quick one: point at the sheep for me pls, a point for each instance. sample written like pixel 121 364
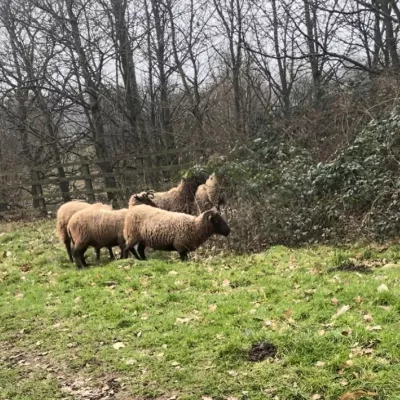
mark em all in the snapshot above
pixel 100 228
pixel 64 214
pixel 170 231
pixel 180 198
pixel 209 195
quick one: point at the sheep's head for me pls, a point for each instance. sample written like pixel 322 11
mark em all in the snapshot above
pixel 220 226
pixel 196 174
pixel 142 198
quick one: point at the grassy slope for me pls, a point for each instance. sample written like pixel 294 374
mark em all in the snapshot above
pixel 186 328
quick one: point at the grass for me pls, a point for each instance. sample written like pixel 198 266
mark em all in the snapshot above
pixel 165 329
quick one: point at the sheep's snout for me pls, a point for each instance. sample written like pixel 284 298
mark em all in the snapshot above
pixel 225 231
pixel 222 227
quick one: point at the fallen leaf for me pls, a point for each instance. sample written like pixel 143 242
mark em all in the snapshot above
pixel 206 398
pixel 386 308
pixel 320 364
pixel 347 332
pixel 172 272
pixel 358 299
pixel 374 328
pixel 25 267
pixel 226 283
pixel 232 373
pixel 130 361
pixel 341 311
pixel 175 363
pixel 382 288
pixel 19 296
pixel 356 394
pixel 118 345
pixel 321 332
pixel 212 307
pixel 349 363
pixel 316 396
pixel 184 320
pixel 344 382
pixel 368 317
pixel 334 301
pixel 78 300
pixel 287 313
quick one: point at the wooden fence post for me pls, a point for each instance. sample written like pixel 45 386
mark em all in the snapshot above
pixel 38 191
pixel 88 180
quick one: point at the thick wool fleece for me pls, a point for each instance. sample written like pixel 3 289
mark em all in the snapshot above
pixel 180 198
pixel 165 230
pixel 67 210
pixel 209 195
pixel 97 227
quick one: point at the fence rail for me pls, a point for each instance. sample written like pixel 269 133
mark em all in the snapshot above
pixel 39 189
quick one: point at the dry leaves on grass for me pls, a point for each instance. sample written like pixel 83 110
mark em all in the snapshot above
pixel 368 317
pixel 341 311
pixel 334 301
pixel 356 394
pixel 374 328
pixel 118 345
pixel 195 316
pixel 226 283
pixel 382 288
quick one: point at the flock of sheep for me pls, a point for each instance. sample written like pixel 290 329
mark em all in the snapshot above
pixel 161 220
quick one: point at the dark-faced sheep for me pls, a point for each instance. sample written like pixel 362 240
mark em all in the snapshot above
pixel 182 197
pixel 209 195
pixel 100 228
pixel 64 214
pixel 170 231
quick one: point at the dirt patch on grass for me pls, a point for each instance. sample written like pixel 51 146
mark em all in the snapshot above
pixel 351 267
pixel 80 387
pixel 262 351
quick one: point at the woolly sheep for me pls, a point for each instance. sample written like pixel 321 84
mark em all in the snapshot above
pixel 64 214
pixel 100 228
pixel 180 198
pixel 209 195
pixel 170 231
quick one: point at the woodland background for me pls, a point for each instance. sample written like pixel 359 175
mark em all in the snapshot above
pixel 298 97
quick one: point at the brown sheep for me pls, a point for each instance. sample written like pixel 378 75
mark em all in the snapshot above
pixel 209 195
pixel 64 214
pixel 170 231
pixel 180 198
pixel 100 228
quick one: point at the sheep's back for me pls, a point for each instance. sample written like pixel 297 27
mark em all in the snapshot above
pixel 155 227
pixel 65 213
pixel 98 227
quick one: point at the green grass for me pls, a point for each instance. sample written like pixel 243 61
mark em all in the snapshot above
pixel 186 328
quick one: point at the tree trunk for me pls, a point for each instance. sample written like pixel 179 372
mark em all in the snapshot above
pixel 95 104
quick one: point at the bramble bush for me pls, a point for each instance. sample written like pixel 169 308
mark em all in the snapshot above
pixel 279 195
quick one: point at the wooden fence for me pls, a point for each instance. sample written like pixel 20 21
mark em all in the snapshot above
pixel 41 189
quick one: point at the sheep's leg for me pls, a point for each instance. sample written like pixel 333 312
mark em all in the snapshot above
pixel 140 250
pixel 97 249
pixel 183 254
pixel 112 256
pixel 67 243
pixel 122 249
pixel 79 256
